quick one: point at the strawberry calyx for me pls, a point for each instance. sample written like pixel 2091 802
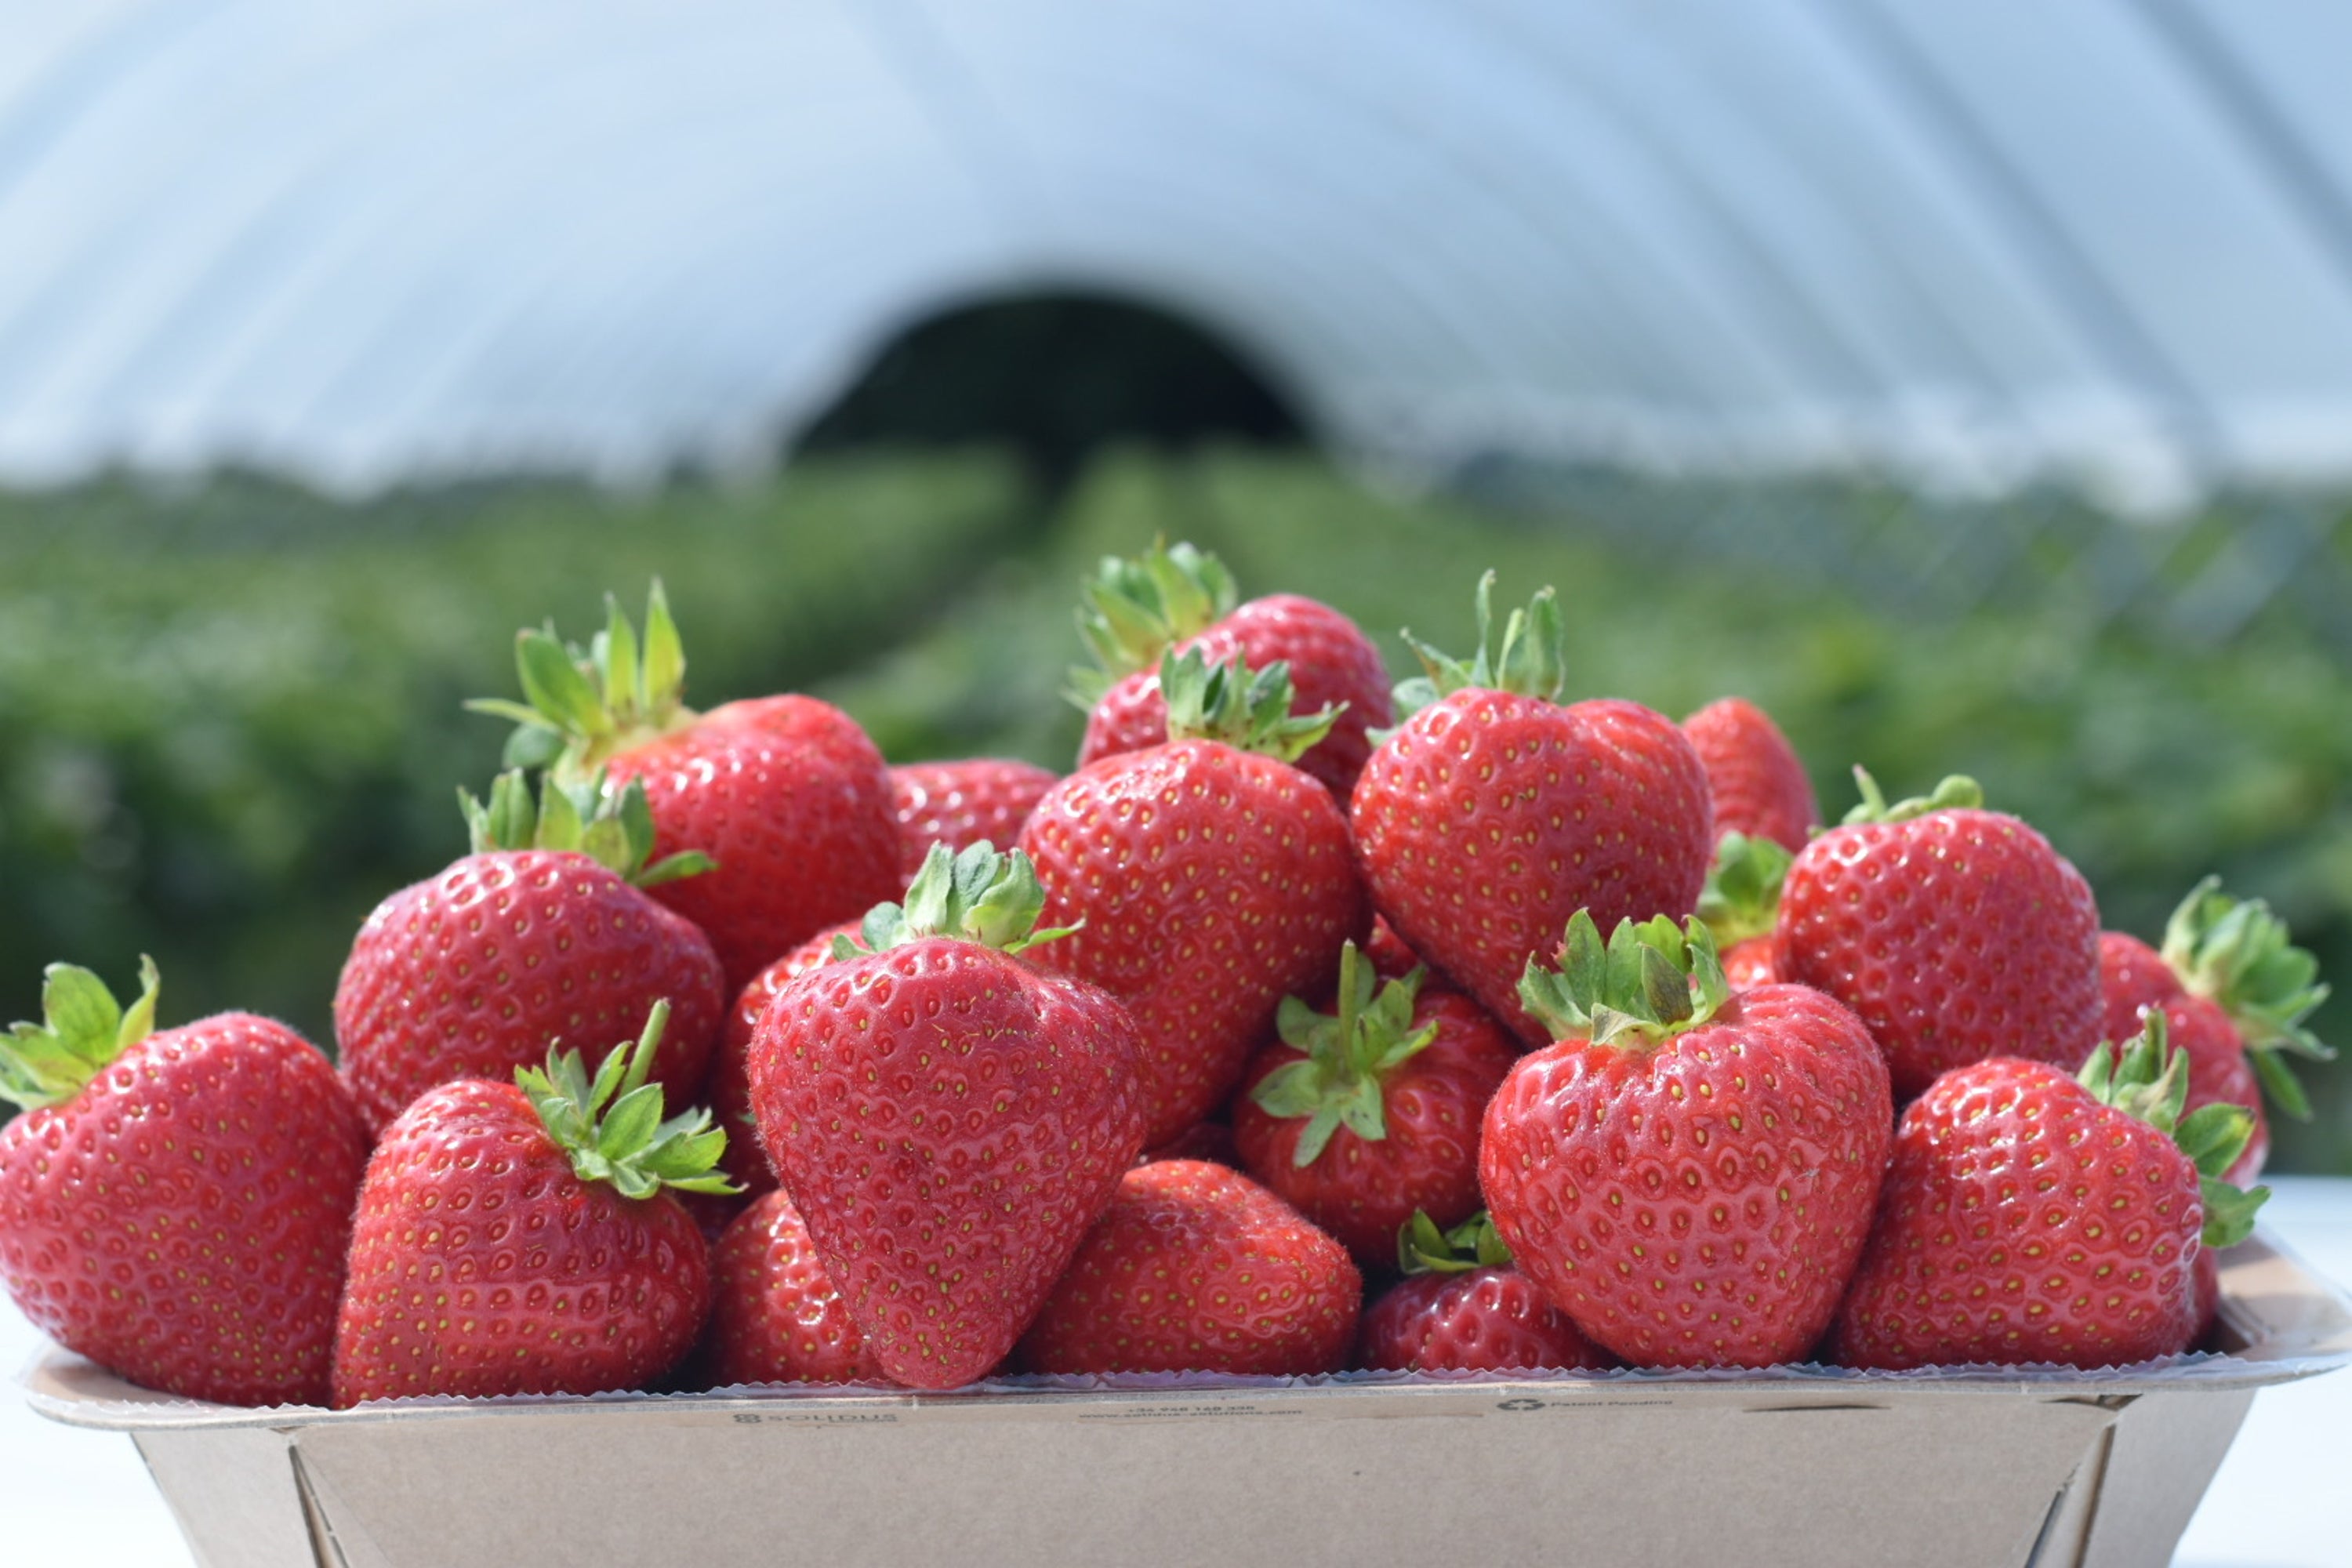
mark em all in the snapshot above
pixel 614 828
pixel 1422 1248
pixel 1652 981
pixel 1528 661
pixel 2238 953
pixel 1957 791
pixel 583 706
pixel 2149 1082
pixel 611 1127
pixel 1248 709
pixel 973 894
pixel 1350 1054
pixel 83 1028
pixel 1135 610
pixel 1742 896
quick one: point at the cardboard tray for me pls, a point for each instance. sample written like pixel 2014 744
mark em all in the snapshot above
pixel 1795 1465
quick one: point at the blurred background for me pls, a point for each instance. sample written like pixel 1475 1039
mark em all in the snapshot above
pixel 1971 386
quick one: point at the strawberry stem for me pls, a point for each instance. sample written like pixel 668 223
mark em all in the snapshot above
pixel 1958 790
pixel 1350 1056
pixel 1652 981
pixel 615 828
pixel 581 706
pixel 1244 709
pixel 1528 661
pixel 1742 896
pixel 2240 956
pixel 1422 1248
pixel 1135 610
pixel 973 894
pixel 2149 1083
pixel 611 1127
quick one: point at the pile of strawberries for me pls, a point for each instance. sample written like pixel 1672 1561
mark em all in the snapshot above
pixel 731 1054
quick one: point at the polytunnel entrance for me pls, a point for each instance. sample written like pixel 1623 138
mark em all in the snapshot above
pixel 1054 377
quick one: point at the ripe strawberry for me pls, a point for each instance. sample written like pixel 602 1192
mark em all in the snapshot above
pixel 1181 599
pixel 1194 1268
pixel 786 795
pixel 543 932
pixel 1741 905
pixel 1689 1178
pixel 1957 933
pixel 730 1088
pixel 1392 959
pixel 2031 1216
pixel 948 1120
pixel 517 1238
pixel 1208 878
pixel 2234 992
pixel 1461 1306
pixel 1493 814
pixel 1759 786
pixel 1358 1120
pixel 961 804
pixel 774 1315
pixel 175 1205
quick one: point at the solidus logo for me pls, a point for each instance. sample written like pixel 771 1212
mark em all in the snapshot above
pixel 1520 1405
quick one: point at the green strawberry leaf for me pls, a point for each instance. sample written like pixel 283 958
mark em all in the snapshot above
pixel 82 1030
pixel 611 1127
pixel 615 828
pixel 1350 1055
pixel 1242 708
pixel 1528 661
pixel 2229 1210
pixel 2148 1081
pixel 1742 896
pixel 973 894
pixel 1133 611
pixel 2237 952
pixel 1422 1248
pixel 581 706
pixel 1654 979
pixel 1955 792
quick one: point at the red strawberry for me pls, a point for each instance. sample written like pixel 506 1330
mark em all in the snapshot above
pixel 1957 933
pixel 1462 1308
pixel 1194 1268
pixel 1741 905
pixel 176 1204
pixel 774 1315
pixel 542 932
pixel 948 1120
pixel 1181 599
pixel 1358 1120
pixel 1208 880
pixel 2234 992
pixel 2031 1216
pixel 1759 786
pixel 1688 1179
pixel 1493 814
pixel 786 795
pixel 516 1237
pixel 1392 959
pixel 730 1088
pixel 961 804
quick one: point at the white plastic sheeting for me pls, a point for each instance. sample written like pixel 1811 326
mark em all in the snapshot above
pixel 2110 238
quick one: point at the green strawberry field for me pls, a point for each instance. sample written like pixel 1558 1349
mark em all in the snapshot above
pixel 233 707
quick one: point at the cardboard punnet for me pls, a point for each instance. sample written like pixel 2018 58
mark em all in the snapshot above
pixel 1795 1465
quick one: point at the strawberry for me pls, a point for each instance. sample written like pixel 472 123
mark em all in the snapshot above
pixel 1759 786
pixel 1461 1306
pixel 2234 992
pixel 544 931
pixel 1494 813
pixel 1392 959
pixel 175 1204
pixel 730 1088
pixel 1194 1268
pixel 1182 599
pixel 948 1118
pixel 1687 1176
pixel 2031 1216
pixel 961 804
pixel 1957 933
pixel 517 1239
pixel 1741 905
pixel 1209 878
pixel 786 795
pixel 774 1315
pixel 1360 1117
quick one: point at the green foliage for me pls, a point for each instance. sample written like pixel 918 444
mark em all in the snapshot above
pixel 232 724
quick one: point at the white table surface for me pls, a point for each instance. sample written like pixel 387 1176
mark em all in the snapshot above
pixel 2281 1501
